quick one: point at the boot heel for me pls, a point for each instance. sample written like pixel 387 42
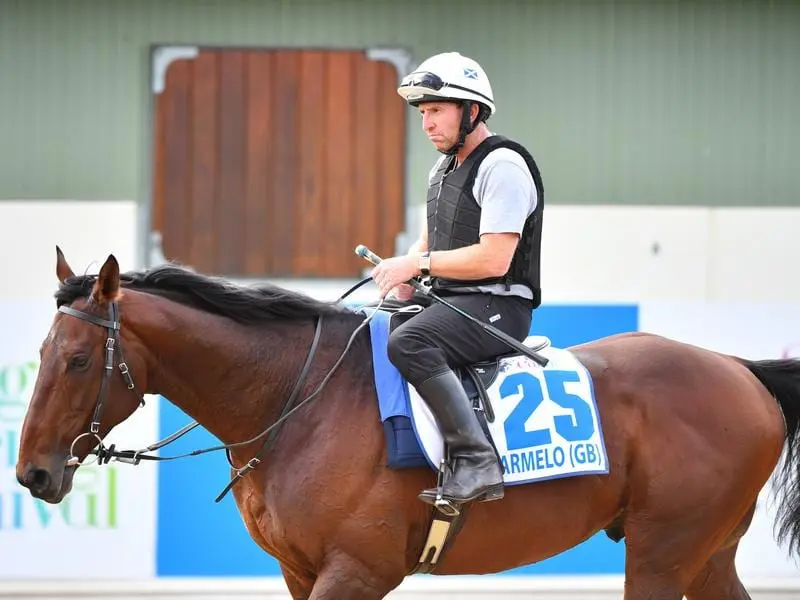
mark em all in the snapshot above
pixel 496 492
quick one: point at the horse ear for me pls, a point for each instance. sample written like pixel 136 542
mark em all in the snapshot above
pixel 106 286
pixel 63 270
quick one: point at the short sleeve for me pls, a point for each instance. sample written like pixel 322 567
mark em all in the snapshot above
pixel 505 190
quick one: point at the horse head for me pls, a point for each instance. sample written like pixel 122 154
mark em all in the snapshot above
pixel 224 354
pixel 84 386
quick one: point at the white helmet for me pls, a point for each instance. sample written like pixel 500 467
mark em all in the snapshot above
pixel 448 76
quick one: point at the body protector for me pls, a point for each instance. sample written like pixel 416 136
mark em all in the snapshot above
pixel 454 218
pixel 451 77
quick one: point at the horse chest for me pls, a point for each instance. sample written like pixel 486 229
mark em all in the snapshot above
pixel 257 516
pixel 264 521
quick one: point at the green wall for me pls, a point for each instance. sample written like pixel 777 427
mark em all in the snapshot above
pixel 621 102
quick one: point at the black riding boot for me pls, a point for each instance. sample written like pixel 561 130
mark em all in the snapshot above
pixel 476 469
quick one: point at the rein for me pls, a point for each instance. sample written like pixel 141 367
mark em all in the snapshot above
pixel 134 457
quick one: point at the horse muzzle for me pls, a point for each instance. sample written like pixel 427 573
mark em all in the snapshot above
pixel 46 484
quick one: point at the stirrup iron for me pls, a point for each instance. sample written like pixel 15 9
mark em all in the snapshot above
pixel 447 507
pixel 442 504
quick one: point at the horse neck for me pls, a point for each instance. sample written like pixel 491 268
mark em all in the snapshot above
pixel 231 378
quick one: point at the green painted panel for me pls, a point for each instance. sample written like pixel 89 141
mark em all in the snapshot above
pixel 644 102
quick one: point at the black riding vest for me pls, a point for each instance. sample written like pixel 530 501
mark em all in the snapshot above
pixel 454 218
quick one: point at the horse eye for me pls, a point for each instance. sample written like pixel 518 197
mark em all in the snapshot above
pixel 79 362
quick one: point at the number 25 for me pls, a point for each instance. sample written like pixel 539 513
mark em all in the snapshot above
pixel 532 396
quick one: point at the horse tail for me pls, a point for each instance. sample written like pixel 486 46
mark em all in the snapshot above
pixel 781 377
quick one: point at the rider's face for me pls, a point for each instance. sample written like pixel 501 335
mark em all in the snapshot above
pixel 441 122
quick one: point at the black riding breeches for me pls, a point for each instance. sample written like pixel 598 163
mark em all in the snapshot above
pixel 430 342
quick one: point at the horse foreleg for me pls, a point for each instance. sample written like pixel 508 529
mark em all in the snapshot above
pixel 345 578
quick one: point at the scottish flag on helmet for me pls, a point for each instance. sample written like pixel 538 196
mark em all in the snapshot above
pixel 447 76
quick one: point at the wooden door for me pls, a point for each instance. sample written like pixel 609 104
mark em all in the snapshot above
pixel 278 162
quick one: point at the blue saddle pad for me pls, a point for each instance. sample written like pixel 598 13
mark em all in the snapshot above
pixel 565 439
pixel 402 444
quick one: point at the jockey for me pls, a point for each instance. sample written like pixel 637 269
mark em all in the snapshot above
pixel 480 248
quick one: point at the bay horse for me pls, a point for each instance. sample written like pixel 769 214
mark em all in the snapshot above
pixel 692 437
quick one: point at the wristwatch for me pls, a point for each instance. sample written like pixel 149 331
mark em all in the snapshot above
pixel 425 264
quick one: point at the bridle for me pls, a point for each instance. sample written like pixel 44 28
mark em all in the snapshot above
pixel 113 343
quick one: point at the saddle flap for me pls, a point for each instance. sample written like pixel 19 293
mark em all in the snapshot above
pixel 486 370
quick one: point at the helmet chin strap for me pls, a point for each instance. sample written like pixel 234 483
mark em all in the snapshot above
pixel 464 129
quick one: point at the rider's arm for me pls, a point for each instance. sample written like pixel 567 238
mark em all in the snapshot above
pixel 507 196
pixel 421 245
pixel 489 258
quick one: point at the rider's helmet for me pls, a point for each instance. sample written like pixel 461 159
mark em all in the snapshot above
pixel 451 77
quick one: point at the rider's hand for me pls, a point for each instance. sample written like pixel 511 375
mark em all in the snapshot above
pixel 402 292
pixel 391 272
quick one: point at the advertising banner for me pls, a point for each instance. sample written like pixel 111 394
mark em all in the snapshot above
pixel 105 528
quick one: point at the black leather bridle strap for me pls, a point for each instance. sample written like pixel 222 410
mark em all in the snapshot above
pixel 287 408
pixel 113 325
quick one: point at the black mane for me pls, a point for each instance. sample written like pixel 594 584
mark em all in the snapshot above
pixel 244 304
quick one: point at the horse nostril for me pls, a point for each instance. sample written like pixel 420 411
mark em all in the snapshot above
pixel 41 479
pixel 37 480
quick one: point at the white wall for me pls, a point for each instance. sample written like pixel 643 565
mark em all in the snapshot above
pixel 589 253
pixel 633 254
pixel 86 231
